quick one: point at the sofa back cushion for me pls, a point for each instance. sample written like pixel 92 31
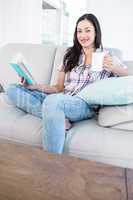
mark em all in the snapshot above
pixel 40 59
pixel 115 52
pixel 60 52
pixel 129 64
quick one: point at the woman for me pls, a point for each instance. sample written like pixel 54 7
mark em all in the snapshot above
pixel 54 104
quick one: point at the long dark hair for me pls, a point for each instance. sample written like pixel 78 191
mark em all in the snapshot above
pixel 71 57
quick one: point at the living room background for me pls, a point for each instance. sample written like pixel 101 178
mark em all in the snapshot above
pixel 42 21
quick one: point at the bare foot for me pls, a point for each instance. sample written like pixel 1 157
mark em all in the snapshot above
pixel 68 124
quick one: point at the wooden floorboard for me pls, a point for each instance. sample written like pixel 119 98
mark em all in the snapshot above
pixel 28 173
pixel 129 173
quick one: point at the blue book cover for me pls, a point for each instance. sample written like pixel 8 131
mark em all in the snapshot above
pixel 22 70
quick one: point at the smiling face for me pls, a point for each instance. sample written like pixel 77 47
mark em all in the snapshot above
pixel 86 34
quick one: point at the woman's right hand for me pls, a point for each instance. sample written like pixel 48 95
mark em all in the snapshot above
pixel 23 82
pixel 30 86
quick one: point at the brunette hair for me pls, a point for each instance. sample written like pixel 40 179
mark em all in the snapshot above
pixel 71 57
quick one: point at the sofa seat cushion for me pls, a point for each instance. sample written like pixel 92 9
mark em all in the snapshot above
pixel 18 126
pixel 90 141
pixel 4 100
pixel 114 115
pixel 85 140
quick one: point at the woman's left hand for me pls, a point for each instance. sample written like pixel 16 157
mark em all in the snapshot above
pixel 108 63
pixel 39 87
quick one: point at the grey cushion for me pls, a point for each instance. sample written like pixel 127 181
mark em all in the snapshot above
pixel 113 115
pixel 127 126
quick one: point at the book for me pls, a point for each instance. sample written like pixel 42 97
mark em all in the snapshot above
pixel 19 64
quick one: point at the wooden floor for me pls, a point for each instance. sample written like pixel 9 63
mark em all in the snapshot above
pixel 28 173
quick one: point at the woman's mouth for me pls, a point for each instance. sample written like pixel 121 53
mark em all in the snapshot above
pixel 84 40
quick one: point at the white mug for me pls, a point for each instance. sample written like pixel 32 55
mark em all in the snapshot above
pixel 97 61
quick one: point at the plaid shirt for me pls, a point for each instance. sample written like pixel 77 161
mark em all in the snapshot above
pixel 82 75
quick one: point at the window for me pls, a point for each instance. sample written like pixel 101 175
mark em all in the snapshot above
pixel 58 20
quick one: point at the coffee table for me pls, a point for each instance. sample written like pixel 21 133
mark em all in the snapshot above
pixel 29 173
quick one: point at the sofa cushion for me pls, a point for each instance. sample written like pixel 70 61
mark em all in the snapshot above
pixel 4 100
pixel 13 126
pixel 88 140
pixel 39 57
pixel 114 115
pixel 110 91
pixel 85 140
pixel 60 51
pixel 115 52
pixel 127 126
pixel 129 64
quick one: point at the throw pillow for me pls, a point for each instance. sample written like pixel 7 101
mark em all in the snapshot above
pixel 110 91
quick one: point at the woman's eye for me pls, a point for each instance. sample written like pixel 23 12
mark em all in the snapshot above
pixel 79 31
pixel 88 31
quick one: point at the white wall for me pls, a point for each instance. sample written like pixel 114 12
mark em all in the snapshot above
pixel 21 21
pixel 116 18
pixel 1 23
pixel 51 25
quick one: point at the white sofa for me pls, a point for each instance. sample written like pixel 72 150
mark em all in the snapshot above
pixel 108 139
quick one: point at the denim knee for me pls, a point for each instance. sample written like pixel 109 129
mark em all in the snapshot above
pixel 51 102
pixel 54 99
pixel 11 89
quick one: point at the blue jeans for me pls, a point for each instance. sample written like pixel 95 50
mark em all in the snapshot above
pixel 53 109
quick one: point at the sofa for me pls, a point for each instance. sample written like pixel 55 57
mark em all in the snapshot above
pixel 107 138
